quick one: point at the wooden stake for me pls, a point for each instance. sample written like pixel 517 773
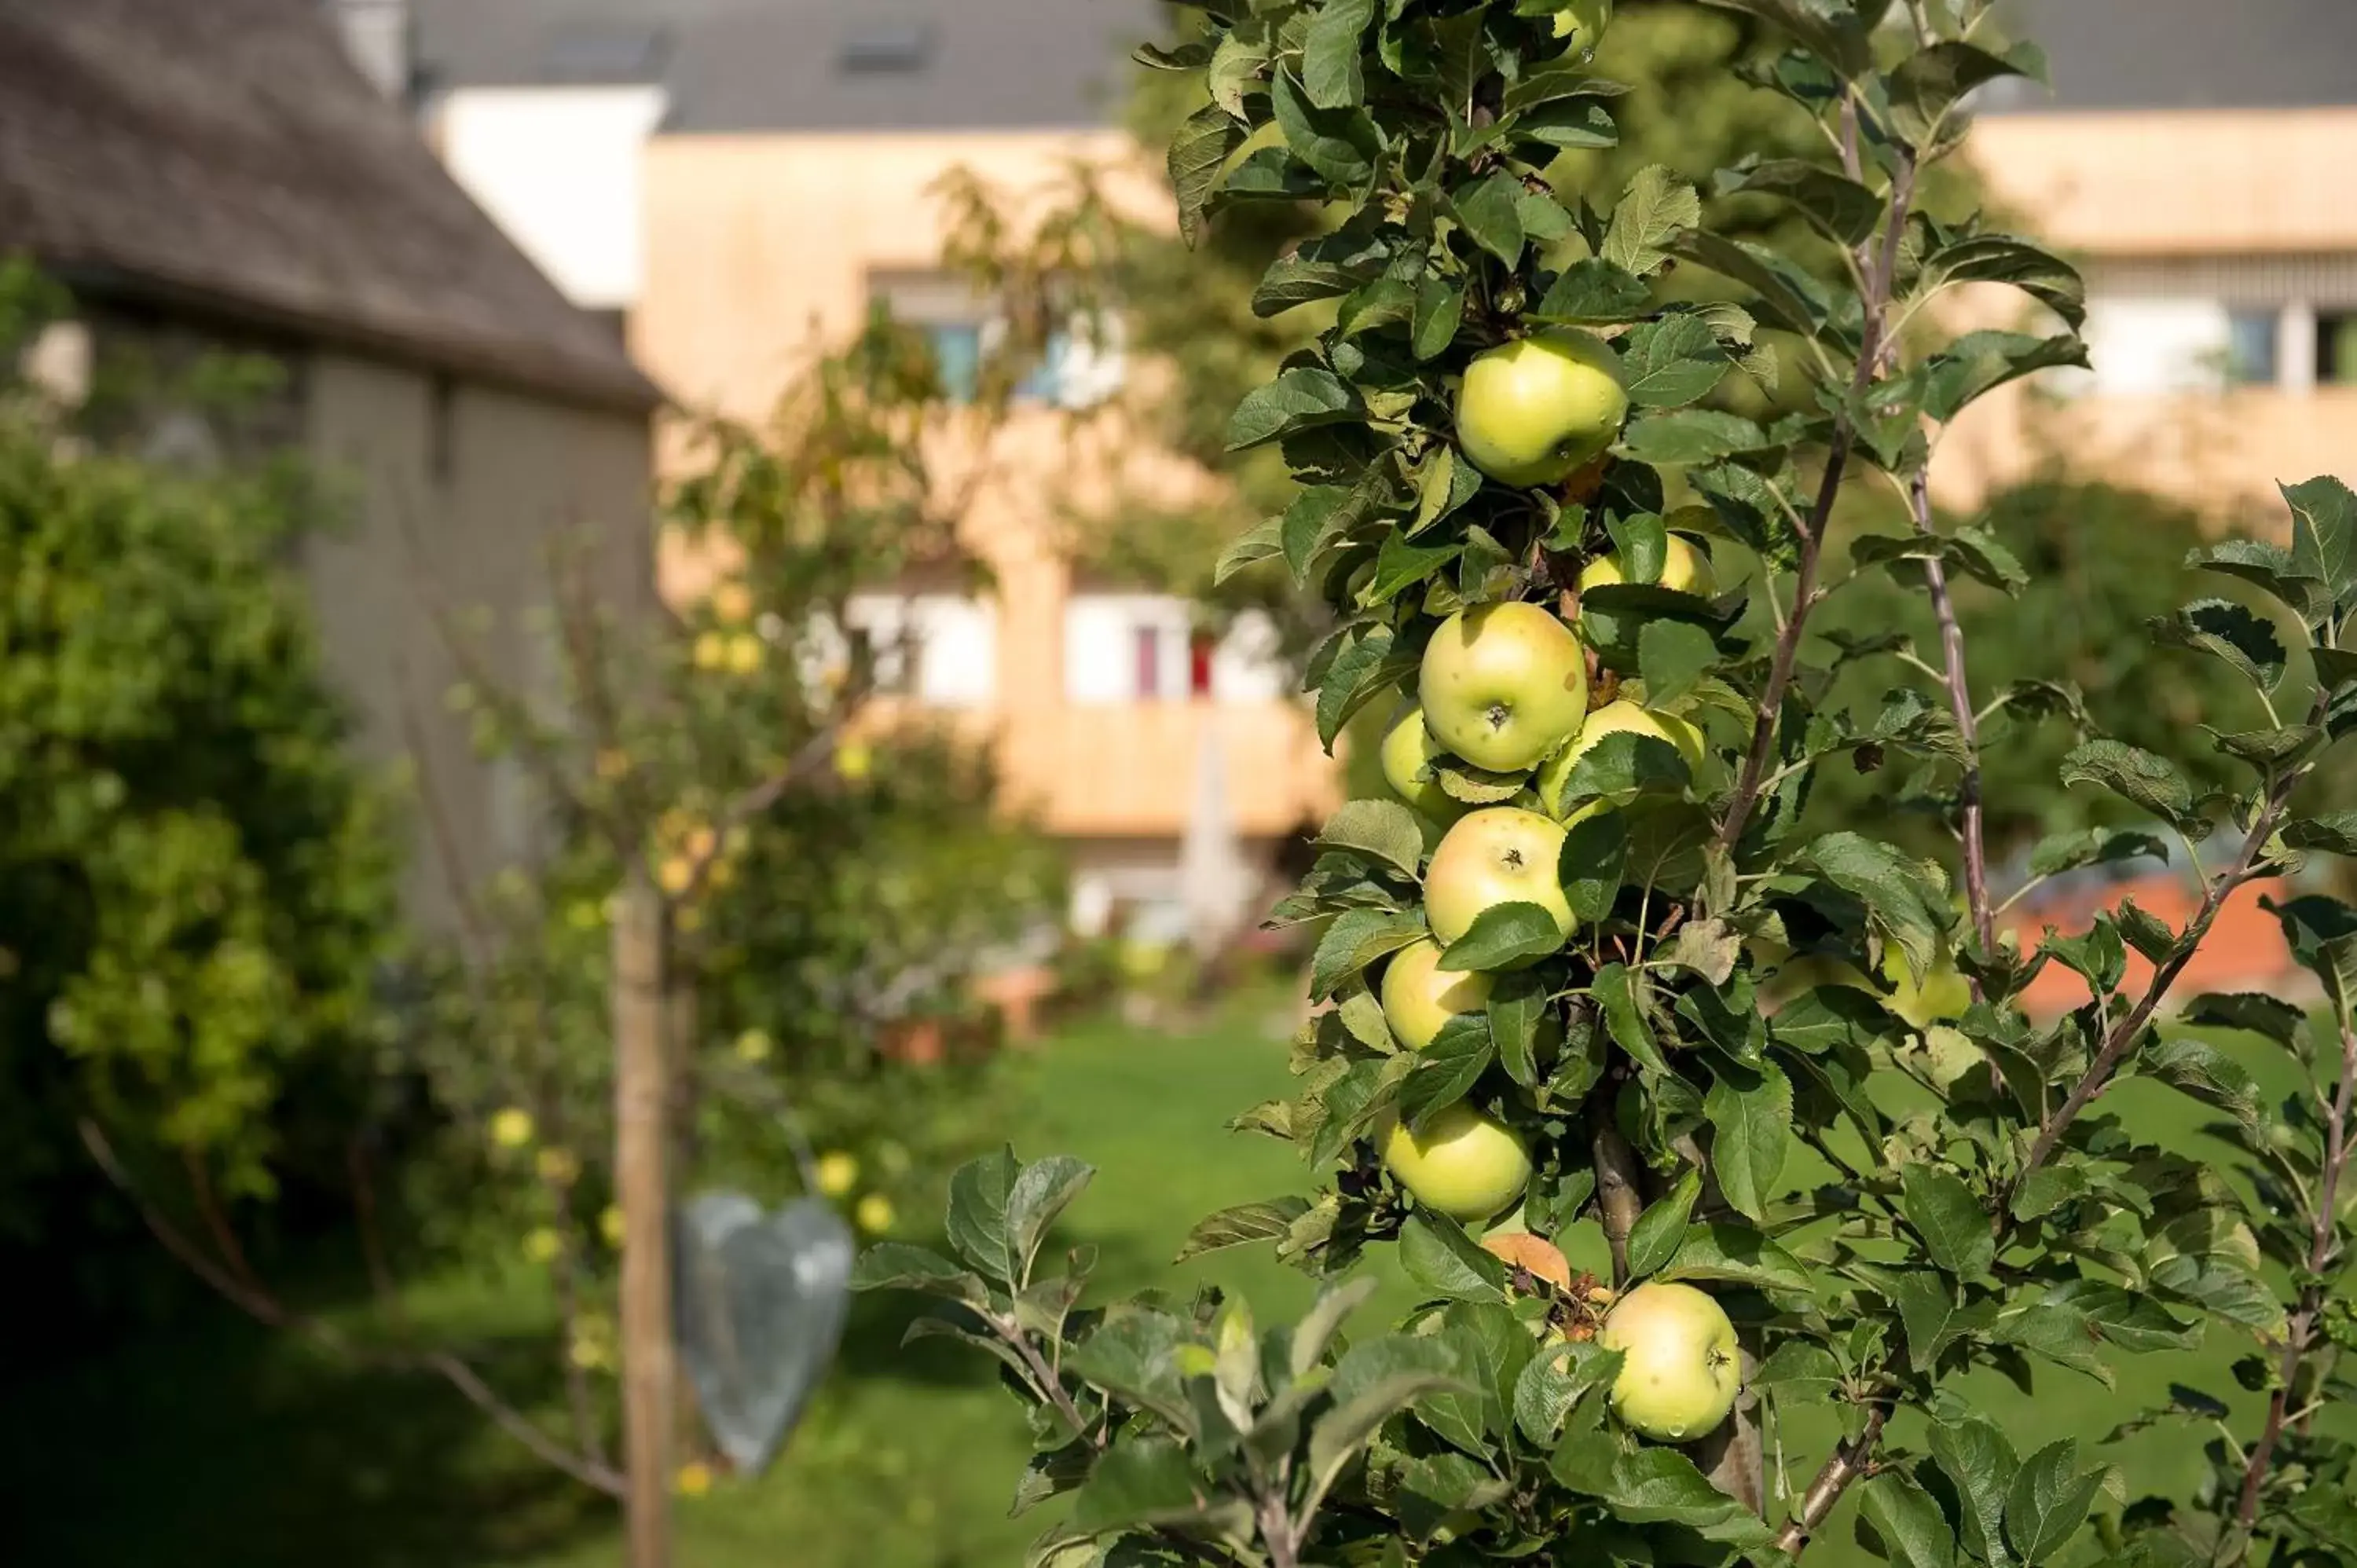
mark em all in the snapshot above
pixel 641 1141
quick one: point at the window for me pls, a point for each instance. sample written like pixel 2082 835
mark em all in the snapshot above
pixel 2336 348
pixel 2251 339
pixel 442 428
pixel 1145 648
pixel 1080 365
pixel 941 649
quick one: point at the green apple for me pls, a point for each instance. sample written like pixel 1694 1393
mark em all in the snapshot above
pixel 1618 717
pixel 1533 409
pixel 1680 1368
pixel 1406 756
pixel 1941 999
pixel 1464 1165
pixel 1419 996
pixel 1499 855
pixel 1503 685
pixel 1686 566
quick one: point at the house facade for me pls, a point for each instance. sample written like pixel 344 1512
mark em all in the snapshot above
pixel 2193 159
pixel 225 179
pixel 740 183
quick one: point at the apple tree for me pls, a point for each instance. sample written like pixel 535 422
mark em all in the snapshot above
pixel 1602 987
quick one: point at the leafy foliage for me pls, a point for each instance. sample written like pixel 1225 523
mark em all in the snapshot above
pixel 1741 978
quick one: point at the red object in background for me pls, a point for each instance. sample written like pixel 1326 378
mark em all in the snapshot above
pixel 1199 665
pixel 2245 949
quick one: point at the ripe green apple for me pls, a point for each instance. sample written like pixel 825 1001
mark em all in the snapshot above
pixel 1618 717
pixel 1681 1368
pixel 1686 566
pixel 1503 685
pixel 1533 409
pixel 1941 999
pixel 1466 1165
pixel 1499 855
pixel 1419 996
pixel 1406 756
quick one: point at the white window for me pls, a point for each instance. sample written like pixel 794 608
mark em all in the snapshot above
pixel 2150 344
pixel 941 648
pixel 1145 648
pixel 1080 366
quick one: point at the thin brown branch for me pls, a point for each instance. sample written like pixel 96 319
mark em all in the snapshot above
pixel 2300 1330
pixel 1959 702
pixel 1619 1197
pixel 2129 1029
pixel 1881 269
pixel 1850 1461
pixel 216 1219
pixel 265 1307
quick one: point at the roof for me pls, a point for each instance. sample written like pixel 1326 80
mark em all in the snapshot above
pixel 808 64
pixel 2189 54
pixel 226 159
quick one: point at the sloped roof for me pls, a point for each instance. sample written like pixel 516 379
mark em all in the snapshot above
pixel 808 64
pixel 225 157
pixel 2189 54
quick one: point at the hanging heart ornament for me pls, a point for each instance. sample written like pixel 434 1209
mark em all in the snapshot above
pixel 762 1300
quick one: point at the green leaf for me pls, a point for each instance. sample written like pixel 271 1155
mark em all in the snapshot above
pixel 1489 210
pixel 1914 1533
pixel 1787 296
pixel 1517 1008
pixel 2198 1069
pixel 1339 144
pixel 1446 1069
pixel 1148 1480
pixel 1344 1431
pixel 1595 856
pixel 1300 398
pixel 1654 1241
pixel 1979 362
pixel 1133 1354
pixel 1401 564
pixel 1330 72
pixel 1691 437
pixel 1357 939
pixel 1242 1225
pixel 1198 152
pixel 1592 293
pixel 896 1265
pixel 1661 1486
pixel 2009 259
pixel 1932 1318
pixel 1316 1331
pixel 1827 1017
pixel 2049 1501
pixel 1980 1464
pixel 1503 935
pixel 1910 908
pixel 1830 32
pixel 1623 765
pixel 2062 852
pixel 1042 1192
pixel 2335 832
pixel 2135 775
pixel 1731 1254
pixel 1439 309
pixel 1842 210
pixel 1950 1219
pixel 1558 1376
pixel 1618 991
pixel 980 1191
pixel 2277 1020
pixel 2232 633
pixel 1384 830
pixel 1750 1119
pixel 1359 673
pixel 1257 543
pixel 1808 1369
pixel 1928 82
pixel 1671 362
pixel 1434 1252
pixel 2324 536
pixel 1673 656
pixel 1657 207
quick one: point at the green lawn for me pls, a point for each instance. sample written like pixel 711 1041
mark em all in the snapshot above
pixel 225 1446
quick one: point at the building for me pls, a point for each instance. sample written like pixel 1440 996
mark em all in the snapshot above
pixel 2193 158
pixel 221 179
pixel 736 179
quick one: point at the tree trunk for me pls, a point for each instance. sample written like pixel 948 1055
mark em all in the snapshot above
pixel 641 1145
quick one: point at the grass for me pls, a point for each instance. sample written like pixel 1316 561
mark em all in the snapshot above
pixel 224 1445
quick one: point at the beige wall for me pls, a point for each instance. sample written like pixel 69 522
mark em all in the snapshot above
pixel 761 247
pixel 419 546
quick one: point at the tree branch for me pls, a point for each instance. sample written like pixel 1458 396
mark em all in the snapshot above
pixel 2124 1033
pixel 1880 273
pixel 1850 1461
pixel 2300 1332
pixel 264 1307
pixel 1618 1199
pixel 1959 702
